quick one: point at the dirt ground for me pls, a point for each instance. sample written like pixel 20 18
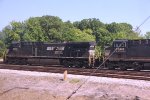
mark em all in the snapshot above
pixel 15 86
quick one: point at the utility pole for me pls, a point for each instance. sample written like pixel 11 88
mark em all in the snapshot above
pixel 138 28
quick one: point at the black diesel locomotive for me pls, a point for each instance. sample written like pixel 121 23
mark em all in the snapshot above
pixel 122 54
pixel 128 54
pixel 75 54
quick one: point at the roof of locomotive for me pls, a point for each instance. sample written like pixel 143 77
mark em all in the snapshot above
pixel 56 43
pixel 119 40
pixel 134 41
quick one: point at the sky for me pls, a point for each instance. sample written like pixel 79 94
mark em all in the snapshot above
pixel 133 12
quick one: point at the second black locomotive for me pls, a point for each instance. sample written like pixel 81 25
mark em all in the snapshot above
pixel 128 54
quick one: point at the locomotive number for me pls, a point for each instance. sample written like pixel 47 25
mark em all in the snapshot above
pixel 120 49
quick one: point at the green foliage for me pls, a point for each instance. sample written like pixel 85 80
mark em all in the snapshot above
pixel 45 28
pixel 77 35
pixel 10 35
pixel 113 27
pixel 91 23
pixel 75 80
pixel 98 51
pixel 2 48
pixel 103 37
pixel 33 30
pixel 147 35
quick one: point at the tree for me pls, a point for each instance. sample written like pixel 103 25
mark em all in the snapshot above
pixel 2 48
pixel 1 36
pixel 52 27
pixel 103 37
pixel 91 23
pixel 113 27
pixel 18 28
pixel 45 28
pixel 10 35
pixel 33 30
pixel 73 34
pixel 122 31
pixel 147 35
pixel 119 35
pixel 13 32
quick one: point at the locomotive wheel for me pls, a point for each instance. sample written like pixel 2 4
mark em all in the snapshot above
pixel 137 66
pixel 111 68
pixel 123 68
pixel 66 63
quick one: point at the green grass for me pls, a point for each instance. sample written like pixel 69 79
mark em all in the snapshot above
pixel 74 81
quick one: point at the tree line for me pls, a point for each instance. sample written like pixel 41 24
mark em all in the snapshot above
pixel 53 29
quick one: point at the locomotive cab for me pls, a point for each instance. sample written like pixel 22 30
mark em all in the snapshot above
pixel 116 54
pixel 120 48
pixel 81 54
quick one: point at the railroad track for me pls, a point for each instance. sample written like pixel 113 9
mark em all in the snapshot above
pixel 142 75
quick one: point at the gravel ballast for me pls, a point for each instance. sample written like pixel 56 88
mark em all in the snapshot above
pixel 27 85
